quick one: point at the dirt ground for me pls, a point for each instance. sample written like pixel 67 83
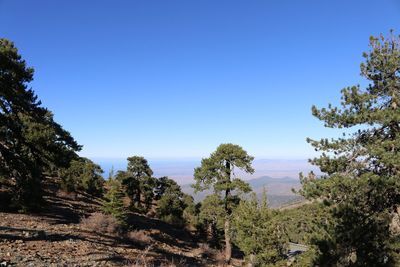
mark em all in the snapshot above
pixel 55 237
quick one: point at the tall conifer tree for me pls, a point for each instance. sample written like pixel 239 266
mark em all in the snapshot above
pixel 262 239
pixel 217 172
pixel 362 170
pixel 31 142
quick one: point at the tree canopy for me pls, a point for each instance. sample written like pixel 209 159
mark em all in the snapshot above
pixel 362 170
pixel 31 142
pixel 171 205
pixel 138 183
pixel 262 239
pixel 217 172
pixel 83 174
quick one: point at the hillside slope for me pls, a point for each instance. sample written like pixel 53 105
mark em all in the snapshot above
pixel 55 237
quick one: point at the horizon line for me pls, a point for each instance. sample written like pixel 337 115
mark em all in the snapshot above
pixel 185 158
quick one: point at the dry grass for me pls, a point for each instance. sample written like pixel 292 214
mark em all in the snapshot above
pixel 142 259
pixel 180 263
pixel 205 251
pixel 219 257
pixel 151 213
pixel 139 236
pixel 100 222
pixel 67 195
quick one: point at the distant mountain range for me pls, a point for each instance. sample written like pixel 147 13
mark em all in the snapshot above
pixel 279 190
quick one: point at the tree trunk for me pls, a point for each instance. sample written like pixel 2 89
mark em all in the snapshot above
pixel 228 245
pixel 228 212
pixel 138 193
pixel 210 232
pixel 137 198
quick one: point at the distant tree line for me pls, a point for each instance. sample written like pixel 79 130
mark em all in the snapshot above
pixel 145 194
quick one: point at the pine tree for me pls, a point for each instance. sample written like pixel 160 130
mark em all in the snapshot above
pixel 191 211
pixel 147 188
pixel 212 217
pixel 31 142
pixel 170 205
pixel 130 186
pixel 138 182
pixel 113 201
pixel 83 174
pixel 262 239
pixel 361 184
pixel 217 171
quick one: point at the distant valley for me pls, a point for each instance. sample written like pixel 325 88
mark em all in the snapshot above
pixel 181 170
pixel 277 176
pixel 279 190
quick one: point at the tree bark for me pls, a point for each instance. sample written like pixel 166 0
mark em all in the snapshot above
pixel 210 232
pixel 228 211
pixel 138 192
pixel 228 245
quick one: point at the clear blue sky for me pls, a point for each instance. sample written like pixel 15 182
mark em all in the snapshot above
pixel 177 78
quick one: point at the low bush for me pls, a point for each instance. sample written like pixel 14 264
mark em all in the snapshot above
pixel 205 251
pixel 139 236
pixel 102 223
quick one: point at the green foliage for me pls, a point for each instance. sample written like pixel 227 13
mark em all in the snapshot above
pixel 362 185
pixel 162 184
pixel 130 184
pixel 138 183
pixel 171 205
pixel 262 239
pixel 143 190
pixel 83 174
pixel 191 211
pixel 113 200
pixel 217 172
pixel 139 167
pixel 31 142
pixel 212 217
pixel 306 223
pixel 147 187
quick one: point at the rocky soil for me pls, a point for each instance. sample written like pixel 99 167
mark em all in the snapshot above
pixel 55 237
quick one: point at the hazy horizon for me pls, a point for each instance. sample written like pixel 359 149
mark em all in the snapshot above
pixel 181 170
